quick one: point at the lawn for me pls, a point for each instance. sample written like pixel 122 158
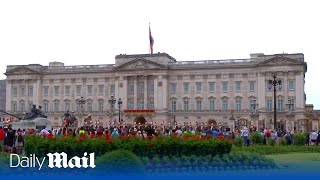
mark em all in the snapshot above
pixel 297 161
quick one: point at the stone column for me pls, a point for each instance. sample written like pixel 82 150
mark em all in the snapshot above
pixel 159 94
pixel 205 92
pixel 145 92
pixel 299 89
pixel 73 90
pixel 116 89
pixel 95 94
pixel 218 90
pixel 165 92
pixel 9 95
pixel 261 88
pixel 155 93
pixel 124 92
pixel 38 93
pixel 135 96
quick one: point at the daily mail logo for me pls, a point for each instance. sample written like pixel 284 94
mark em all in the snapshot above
pixel 56 160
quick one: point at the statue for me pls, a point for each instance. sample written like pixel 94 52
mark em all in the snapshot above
pixel 35 113
pixel 69 119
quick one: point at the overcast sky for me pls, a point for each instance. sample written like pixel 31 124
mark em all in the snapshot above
pixel 95 31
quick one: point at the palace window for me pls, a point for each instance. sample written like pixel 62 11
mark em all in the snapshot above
pixel 101 89
pixel 56 90
pixel 186 105
pixel 67 106
pixel 46 106
pixel 211 105
pixel 46 91
pixel 211 87
pixel 89 106
pixel 112 89
pixel 199 108
pixel 22 91
pixel 14 106
pixel 198 87
pixel 14 91
pixel 280 104
pixel 224 87
pixel 141 105
pixel 269 105
pixel 56 106
pixel 22 106
pixel 291 85
pixel 89 88
pixel 225 104
pixel 238 86
pixel 30 105
pixel 151 88
pixel 151 105
pixel 78 89
pixel 173 87
pixel 30 91
pixel 186 87
pixel 238 104
pixel 67 90
pixel 251 86
pixel 131 88
pixel 101 105
pixel 130 104
pixel 174 105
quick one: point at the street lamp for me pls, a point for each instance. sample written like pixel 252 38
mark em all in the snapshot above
pixel 276 84
pixel 119 106
pixel 81 102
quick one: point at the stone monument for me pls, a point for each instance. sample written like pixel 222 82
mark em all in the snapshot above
pixel 33 120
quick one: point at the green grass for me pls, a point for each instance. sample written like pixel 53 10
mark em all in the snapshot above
pixel 297 160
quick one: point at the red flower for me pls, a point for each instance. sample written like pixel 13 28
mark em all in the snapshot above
pixel 50 136
pixel 92 136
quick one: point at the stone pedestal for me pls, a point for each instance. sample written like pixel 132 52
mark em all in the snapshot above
pixel 38 123
pixel 290 122
pixel 232 126
pixel 315 125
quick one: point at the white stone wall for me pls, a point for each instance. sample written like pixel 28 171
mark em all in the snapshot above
pixel 178 73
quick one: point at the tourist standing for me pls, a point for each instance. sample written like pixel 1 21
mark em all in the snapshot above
pixel 2 136
pixel 245 136
pixel 318 138
pixel 313 137
pixel 10 140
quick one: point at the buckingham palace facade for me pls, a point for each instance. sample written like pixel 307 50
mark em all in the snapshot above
pixel 157 88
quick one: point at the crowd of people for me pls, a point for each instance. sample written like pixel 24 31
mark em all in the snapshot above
pixel 13 140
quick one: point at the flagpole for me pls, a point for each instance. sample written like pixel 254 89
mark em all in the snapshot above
pixel 149 40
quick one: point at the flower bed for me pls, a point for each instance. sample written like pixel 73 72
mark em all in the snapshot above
pixel 174 146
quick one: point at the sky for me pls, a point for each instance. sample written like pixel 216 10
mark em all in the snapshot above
pixel 78 32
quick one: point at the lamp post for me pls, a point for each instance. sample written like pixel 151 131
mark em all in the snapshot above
pixel 275 84
pixel 119 106
pixel 81 102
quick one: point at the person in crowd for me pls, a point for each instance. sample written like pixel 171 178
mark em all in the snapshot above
pixel 288 138
pixel 2 137
pixel 10 140
pixel 313 137
pixel 318 138
pixel 245 136
pixel 307 140
pixel 20 141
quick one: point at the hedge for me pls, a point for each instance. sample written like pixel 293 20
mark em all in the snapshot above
pixel 284 149
pixel 143 148
pixel 195 164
